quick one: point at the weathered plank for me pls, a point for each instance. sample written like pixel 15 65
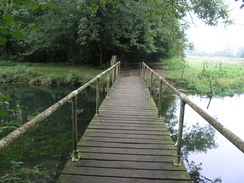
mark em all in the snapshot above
pixel 119 131
pixel 162 136
pixel 124 140
pixel 130 165
pixel 126 143
pixel 131 173
pixel 117 150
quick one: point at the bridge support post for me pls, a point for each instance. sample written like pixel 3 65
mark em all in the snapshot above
pixel 140 69
pixel 75 155
pixel 97 96
pixel 151 85
pixel 160 97
pixel 116 72
pixel 178 162
pixel 108 84
pixel 146 78
pixel 119 68
pixel 112 73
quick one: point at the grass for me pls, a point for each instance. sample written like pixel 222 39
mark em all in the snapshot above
pixel 207 76
pixel 54 68
pixel 45 74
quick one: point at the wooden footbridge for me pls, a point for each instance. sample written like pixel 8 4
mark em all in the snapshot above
pixel 126 141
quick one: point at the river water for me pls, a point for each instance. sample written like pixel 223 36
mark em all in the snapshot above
pixel 218 157
pixel 50 142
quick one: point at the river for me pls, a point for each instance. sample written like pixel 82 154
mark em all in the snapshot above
pixel 50 142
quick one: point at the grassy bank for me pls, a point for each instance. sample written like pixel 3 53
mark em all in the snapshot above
pixel 45 74
pixel 207 76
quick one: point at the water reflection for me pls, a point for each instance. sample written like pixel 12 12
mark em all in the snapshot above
pixel 49 141
pixel 210 157
pixel 196 138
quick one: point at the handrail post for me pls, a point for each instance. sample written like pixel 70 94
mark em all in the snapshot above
pixel 112 73
pixel 119 66
pixel 97 96
pixel 160 97
pixel 146 77
pixel 151 84
pixel 141 74
pixel 75 155
pixel 178 162
pixel 139 64
pixel 144 72
pixel 108 84
pixel 117 72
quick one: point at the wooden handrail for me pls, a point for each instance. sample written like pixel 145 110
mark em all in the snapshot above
pixel 234 139
pixel 8 139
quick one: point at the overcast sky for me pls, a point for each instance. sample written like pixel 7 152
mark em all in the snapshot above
pixel 211 39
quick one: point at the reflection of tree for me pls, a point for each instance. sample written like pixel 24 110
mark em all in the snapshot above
pixel 51 139
pixel 195 139
pixel 198 139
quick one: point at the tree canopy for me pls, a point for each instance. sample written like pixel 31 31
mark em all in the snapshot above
pixel 90 31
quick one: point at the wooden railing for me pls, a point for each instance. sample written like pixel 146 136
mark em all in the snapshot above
pixel 150 75
pixel 112 75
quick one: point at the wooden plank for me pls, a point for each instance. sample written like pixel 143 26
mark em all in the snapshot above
pixel 126 165
pixel 124 140
pixel 125 128
pixel 125 145
pixel 126 119
pixel 119 131
pixel 131 173
pixel 130 136
pixel 127 124
pixel 128 157
pixel 127 151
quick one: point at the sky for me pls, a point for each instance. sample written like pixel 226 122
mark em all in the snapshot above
pixel 216 38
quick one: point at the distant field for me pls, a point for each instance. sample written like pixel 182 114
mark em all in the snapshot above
pixel 214 76
pixel 215 59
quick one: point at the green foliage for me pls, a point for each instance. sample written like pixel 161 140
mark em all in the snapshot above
pixel 21 75
pixel 133 29
pixel 26 175
pixel 90 31
pixel 14 16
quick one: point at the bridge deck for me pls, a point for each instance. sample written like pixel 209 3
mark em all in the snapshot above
pixel 127 143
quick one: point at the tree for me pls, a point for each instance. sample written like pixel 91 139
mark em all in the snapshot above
pixel 142 29
pixel 54 38
pixel 15 23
